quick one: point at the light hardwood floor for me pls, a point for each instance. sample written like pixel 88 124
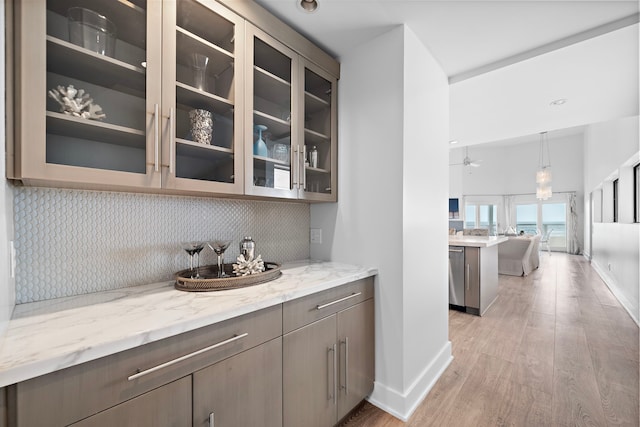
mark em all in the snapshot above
pixel 555 349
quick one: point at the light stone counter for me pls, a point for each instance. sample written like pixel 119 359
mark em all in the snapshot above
pixel 476 241
pixel 47 336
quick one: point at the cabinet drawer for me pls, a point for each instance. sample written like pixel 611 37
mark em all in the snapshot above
pixel 303 311
pixel 80 391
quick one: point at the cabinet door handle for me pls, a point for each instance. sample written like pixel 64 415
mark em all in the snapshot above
pixel 353 295
pixel 186 356
pixel 156 136
pixel 466 276
pixel 172 142
pixel 335 376
pixel 345 387
pixel 459 251
pixel 296 165
pixel 212 421
pixel 303 168
pixel 329 358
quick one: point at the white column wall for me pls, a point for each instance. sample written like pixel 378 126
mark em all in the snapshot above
pixel 392 209
pixel 425 219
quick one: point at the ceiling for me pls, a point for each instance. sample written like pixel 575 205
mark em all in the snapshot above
pixel 506 60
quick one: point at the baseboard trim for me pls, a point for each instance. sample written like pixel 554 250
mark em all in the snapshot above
pixel 611 284
pixel 402 405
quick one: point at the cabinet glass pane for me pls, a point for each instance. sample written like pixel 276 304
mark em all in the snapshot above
pixel 271 117
pixel 204 111
pixel 96 53
pixel 317 132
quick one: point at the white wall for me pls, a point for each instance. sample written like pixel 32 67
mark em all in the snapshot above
pixel 510 169
pixel 611 150
pixel 7 286
pixel 600 83
pixel 392 208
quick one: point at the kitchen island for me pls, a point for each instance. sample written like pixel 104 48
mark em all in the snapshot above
pixel 473 272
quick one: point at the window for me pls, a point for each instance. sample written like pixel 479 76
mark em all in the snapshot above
pixel 470 216
pixel 554 218
pixel 615 200
pixel 481 216
pixel 541 217
pixel 636 185
pixel 527 218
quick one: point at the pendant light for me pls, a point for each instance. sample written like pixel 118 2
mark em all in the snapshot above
pixel 543 175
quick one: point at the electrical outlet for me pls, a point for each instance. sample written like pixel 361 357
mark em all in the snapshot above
pixel 316 235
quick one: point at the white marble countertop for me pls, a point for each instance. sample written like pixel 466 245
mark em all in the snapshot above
pixel 46 336
pixel 476 241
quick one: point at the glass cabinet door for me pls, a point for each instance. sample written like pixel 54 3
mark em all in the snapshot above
pixel 319 134
pixel 202 97
pixel 85 97
pixel 272 163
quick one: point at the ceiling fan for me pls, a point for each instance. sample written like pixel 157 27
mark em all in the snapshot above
pixel 467 160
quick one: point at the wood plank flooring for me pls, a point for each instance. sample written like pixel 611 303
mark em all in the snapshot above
pixel 555 349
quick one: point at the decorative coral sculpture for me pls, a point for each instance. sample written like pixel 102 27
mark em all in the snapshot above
pixel 245 267
pixel 76 103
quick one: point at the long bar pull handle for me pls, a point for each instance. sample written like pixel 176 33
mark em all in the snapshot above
pixel 172 142
pixel 335 376
pixel 345 386
pixel 212 421
pixel 353 295
pixel 186 356
pixel 459 251
pixel 329 387
pixel 466 276
pixel 295 164
pixel 156 136
pixel 303 169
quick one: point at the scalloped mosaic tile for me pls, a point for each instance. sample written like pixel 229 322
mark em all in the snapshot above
pixel 71 242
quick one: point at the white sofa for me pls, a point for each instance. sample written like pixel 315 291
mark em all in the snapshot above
pixel 519 255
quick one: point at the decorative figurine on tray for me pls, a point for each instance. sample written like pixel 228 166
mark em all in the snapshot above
pixel 244 267
pixel 76 103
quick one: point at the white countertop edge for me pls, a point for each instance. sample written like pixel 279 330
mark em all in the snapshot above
pixel 45 364
pixel 476 241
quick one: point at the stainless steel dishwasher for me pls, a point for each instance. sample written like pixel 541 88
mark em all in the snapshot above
pixel 456 277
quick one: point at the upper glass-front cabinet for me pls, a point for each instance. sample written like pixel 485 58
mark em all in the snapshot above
pixel 271 163
pixel 183 95
pixel 86 92
pixel 290 123
pixel 319 134
pixel 202 97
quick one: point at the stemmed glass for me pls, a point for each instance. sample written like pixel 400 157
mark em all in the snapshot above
pixel 193 248
pixel 219 246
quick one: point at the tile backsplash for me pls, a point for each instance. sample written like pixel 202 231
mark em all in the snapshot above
pixel 71 242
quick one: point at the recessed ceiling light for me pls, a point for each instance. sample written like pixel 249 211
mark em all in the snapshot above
pixel 560 101
pixel 309 5
pixel 455 141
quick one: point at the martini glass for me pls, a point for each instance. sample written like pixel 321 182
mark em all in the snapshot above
pixel 193 248
pixel 219 246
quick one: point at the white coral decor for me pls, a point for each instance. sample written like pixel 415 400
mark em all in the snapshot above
pixel 245 267
pixel 76 103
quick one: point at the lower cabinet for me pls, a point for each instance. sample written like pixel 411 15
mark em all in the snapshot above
pixel 328 365
pixel 169 405
pixel 244 390
pixel 239 372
